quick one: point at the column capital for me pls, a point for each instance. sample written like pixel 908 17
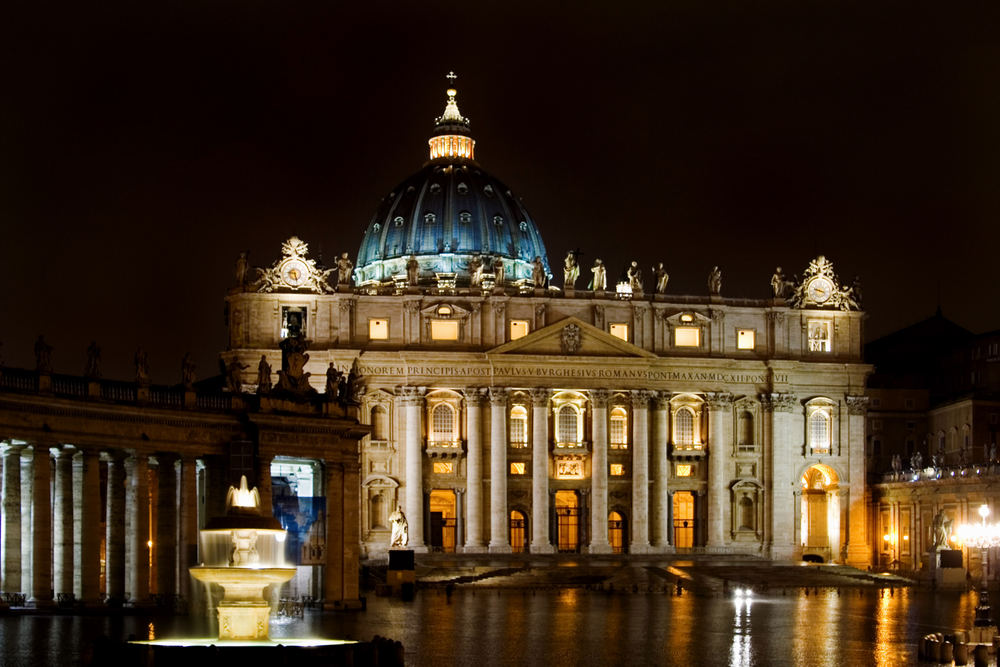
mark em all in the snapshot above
pixel 662 400
pixel 640 398
pixel 411 395
pixel 540 396
pixel 857 405
pixel 718 400
pixel 62 451
pixel 9 448
pixel 778 402
pixel 498 396
pixel 600 397
pixel 475 396
pixel 459 490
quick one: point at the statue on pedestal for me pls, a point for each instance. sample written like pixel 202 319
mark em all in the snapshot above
pixel 141 367
pixel 412 271
pixel 917 461
pixel 293 378
pixel 92 371
pixel 263 375
pixel 234 375
pixel 940 531
pixel 571 270
pixel 43 356
pixel 187 371
pixel 538 272
pixel 333 379
pixel 241 270
pixel 344 268
pixel 715 281
pixel 498 271
pixel 662 277
pixel 634 275
pixel 475 271
pixel 599 282
pixel 400 536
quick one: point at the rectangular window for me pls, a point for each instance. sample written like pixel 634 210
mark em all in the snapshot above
pixel 519 426
pixel 518 468
pixel 745 339
pixel 819 336
pixel 293 321
pixel 687 336
pixel 443 468
pixel 617 469
pixel 619 330
pixel 683 469
pixel 518 329
pixel 444 329
pixel 378 329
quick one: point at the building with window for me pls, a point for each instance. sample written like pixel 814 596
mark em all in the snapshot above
pixel 515 411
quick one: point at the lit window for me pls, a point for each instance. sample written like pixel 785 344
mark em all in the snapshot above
pixel 443 468
pixel 378 329
pixel 619 330
pixel 819 430
pixel 819 336
pixel 518 329
pixel 293 321
pixel 745 339
pixel 617 469
pixel 442 424
pixel 518 426
pixel 745 430
pixel 518 468
pixel 687 336
pixel 687 318
pixel 683 469
pixel 444 329
pixel 619 428
pixel 684 427
pixel 444 310
pixel 568 428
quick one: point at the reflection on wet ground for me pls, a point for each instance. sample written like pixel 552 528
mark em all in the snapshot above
pixel 574 626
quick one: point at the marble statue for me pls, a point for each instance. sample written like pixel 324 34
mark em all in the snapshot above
pixel 43 355
pixel 475 271
pixel 599 282
pixel 571 270
pixel 263 375
pixel 634 275
pixel 538 272
pixel 400 536
pixel 234 375
pixel 344 268
pixel 897 464
pixel 333 378
pixel 662 277
pixel 917 461
pixel 779 285
pixel 187 371
pixel 241 269
pixel 412 271
pixel 941 530
pixel 498 271
pixel 141 367
pixel 715 281
pixel 92 371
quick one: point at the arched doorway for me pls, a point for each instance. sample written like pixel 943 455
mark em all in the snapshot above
pixel 820 511
pixel 683 519
pixel 442 509
pixel 616 532
pixel 518 529
pixel 568 521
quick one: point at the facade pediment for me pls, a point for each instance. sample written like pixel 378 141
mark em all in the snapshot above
pixel 572 337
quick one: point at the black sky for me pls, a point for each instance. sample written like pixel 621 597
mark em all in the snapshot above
pixel 143 145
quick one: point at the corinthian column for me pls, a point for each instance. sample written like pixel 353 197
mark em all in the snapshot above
pixel 782 491
pixel 137 539
pixel 114 550
pixel 499 523
pixel 87 532
pixel 62 528
pixel 858 551
pixel 474 399
pixel 720 438
pixel 10 521
pixel 540 471
pixel 599 473
pixel 413 402
pixel 41 542
pixel 640 471
pixel 661 474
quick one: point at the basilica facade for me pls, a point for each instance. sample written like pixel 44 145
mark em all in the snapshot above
pixel 512 410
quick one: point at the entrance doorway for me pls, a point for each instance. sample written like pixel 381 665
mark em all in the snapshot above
pixel 820 513
pixel 442 507
pixel 616 532
pixel 518 529
pixel 567 521
pixel 683 519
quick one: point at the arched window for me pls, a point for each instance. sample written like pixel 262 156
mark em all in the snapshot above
pixel 442 424
pixel 518 426
pixel 619 428
pixel 380 423
pixel 684 427
pixel 745 431
pixel 568 424
pixel 819 430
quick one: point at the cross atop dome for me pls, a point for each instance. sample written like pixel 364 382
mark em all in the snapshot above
pixel 451 130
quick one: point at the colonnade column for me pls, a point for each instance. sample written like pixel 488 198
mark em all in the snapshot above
pixel 352 534
pixel 188 552
pixel 499 523
pixel 474 399
pixel 858 551
pixel 114 549
pixel 640 471
pixel 599 473
pixel 540 542
pixel 165 545
pixel 413 402
pixel 27 553
pixel 62 528
pixel 41 543
pixel 782 491
pixel 10 520
pixel 720 439
pixel 137 536
pixel 333 575
pixel 661 474
pixel 86 532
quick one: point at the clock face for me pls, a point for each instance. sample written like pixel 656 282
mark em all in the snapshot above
pixel 294 273
pixel 819 290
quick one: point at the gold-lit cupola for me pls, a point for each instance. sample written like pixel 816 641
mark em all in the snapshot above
pixel 452 138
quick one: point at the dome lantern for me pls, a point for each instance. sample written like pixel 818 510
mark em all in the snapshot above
pixel 451 138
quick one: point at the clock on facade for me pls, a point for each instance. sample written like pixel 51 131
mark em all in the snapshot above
pixel 819 290
pixel 294 272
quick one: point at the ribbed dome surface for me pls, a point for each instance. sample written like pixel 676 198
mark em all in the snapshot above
pixel 445 214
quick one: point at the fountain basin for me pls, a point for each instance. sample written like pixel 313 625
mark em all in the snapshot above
pixel 244 613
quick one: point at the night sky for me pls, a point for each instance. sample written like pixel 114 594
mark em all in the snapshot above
pixel 143 145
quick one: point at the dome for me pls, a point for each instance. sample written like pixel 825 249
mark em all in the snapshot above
pixel 447 214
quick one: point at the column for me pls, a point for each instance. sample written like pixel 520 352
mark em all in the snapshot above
pixel 720 438
pixel 10 521
pixel 62 528
pixel 114 540
pixel 86 532
pixel 351 532
pixel 137 537
pixel 540 471
pixel 661 474
pixel 499 523
pixel 599 473
pixel 782 488
pixel 640 472
pixel 858 551
pixel 333 575
pixel 41 543
pixel 165 544
pixel 413 403
pixel 27 554
pixel 459 518
pixel 188 551
pixel 474 399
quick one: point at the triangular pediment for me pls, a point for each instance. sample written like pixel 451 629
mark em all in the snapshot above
pixel 571 337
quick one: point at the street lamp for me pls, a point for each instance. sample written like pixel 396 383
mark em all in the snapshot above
pixel 984 536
